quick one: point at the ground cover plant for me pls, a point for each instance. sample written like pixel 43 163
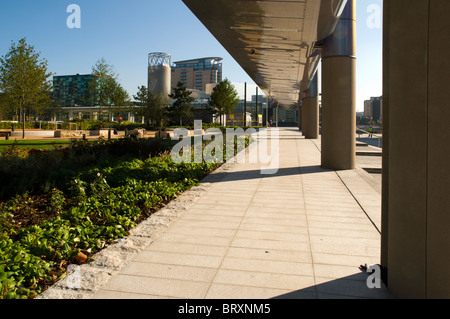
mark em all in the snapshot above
pixel 61 206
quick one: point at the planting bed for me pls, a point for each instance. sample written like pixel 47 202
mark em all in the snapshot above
pixel 61 206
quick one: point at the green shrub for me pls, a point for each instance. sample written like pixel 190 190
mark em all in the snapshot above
pixel 20 271
pixel 39 171
pixel 56 202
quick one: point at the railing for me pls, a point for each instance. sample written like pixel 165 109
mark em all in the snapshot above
pixel 58 124
pixel 370 135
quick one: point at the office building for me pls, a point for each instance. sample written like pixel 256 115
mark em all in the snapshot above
pixel 72 90
pixel 197 73
pixel 373 109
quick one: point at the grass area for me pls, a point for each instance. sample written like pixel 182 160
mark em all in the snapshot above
pixel 33 144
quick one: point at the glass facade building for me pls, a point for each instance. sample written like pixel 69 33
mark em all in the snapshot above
pixel 73 90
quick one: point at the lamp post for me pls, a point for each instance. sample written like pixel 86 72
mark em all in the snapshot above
pixel 256 104
pixel 245 104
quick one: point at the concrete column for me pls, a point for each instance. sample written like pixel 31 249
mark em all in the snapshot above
pixel 416 177
pixel 339 94
pixel 300 115
pixel 310 117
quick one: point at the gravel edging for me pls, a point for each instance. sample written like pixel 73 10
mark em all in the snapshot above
pixel 109 261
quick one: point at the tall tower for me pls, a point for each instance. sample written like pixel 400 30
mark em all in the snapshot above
pixel 159 73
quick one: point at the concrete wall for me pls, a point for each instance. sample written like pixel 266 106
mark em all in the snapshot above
pixel 31 133
pixel 416 181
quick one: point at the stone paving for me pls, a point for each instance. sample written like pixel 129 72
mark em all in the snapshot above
pixel 300 233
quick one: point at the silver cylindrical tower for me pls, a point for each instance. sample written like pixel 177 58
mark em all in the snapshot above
pixel 159 73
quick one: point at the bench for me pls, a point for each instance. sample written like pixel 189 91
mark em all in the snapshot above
pixel 4 134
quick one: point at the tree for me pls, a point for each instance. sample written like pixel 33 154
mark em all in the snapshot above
pixel 181 107
pixel 224 98
pixel 152 106
pixel 142 101
pixel 3 106
pixel 120 98
pixel 54 108
pixel 24 78
pixel 102 86
pixel 158 108
pixel 141 96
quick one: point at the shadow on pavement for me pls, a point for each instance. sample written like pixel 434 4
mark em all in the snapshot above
pixel 255 174
pixel 350 287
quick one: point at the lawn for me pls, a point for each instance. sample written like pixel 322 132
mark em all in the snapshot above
pixel 33 144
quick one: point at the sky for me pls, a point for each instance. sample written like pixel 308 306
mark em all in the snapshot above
pixel 125 32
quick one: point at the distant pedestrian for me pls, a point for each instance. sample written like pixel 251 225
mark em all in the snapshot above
pixel 371 132
pixel 270 123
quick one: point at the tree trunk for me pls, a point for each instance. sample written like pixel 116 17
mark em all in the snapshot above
pixel 23 122
pixel 23 114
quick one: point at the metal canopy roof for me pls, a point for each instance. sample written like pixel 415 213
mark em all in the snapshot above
pixel 274 41
pixel 218 59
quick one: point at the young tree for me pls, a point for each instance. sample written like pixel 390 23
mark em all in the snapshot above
pixel 181 107
pixel 120 98
pixel 152 106
pixel 54 107
pixel 141 96
pixel 142 101
pixel 24 78
pixel 224 98
pixel 101 87
pixel 158 108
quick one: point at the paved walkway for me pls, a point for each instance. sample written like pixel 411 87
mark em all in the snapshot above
pixel 301 233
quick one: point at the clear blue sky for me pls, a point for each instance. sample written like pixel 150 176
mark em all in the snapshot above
pixel 124 32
